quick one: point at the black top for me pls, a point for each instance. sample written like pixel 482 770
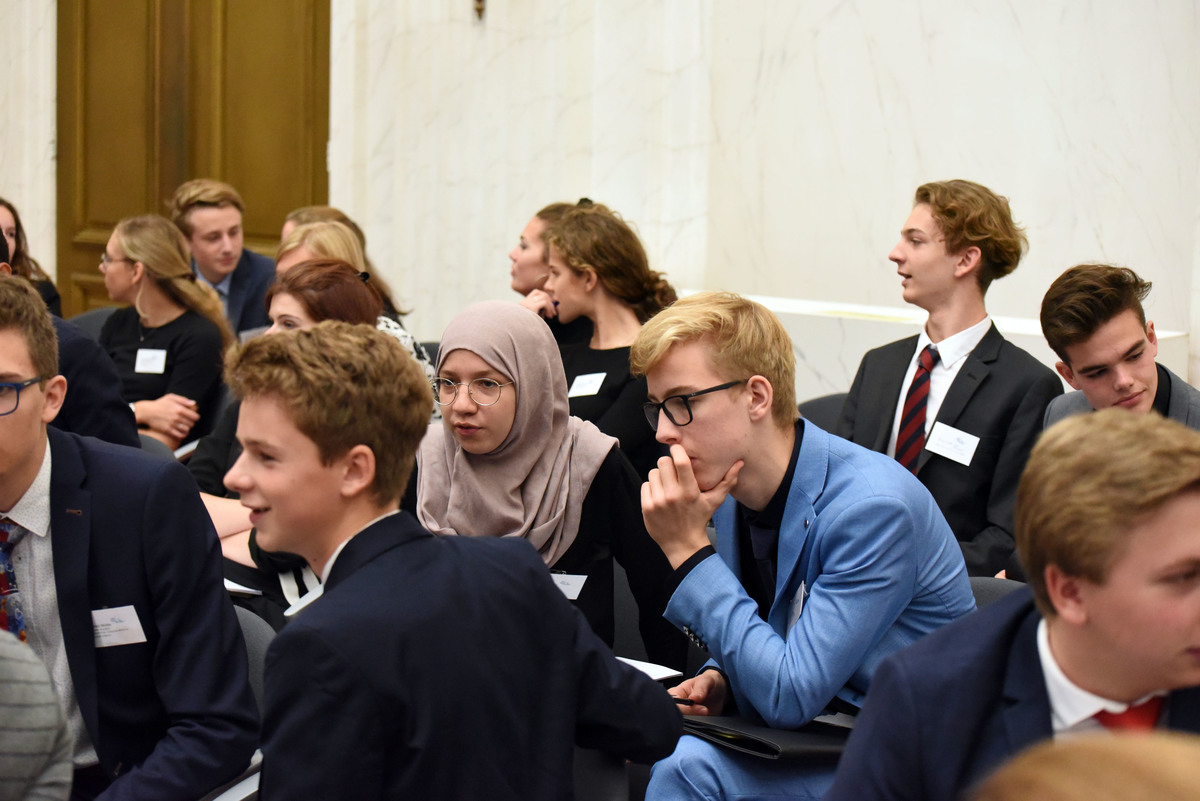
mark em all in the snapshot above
pixel 616 405
pixel 578 330
pixel 193 361
pixel 49 293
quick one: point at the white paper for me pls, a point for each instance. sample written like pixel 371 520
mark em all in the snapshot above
pixel 117 626
pixel 240 589
pixel 569 584
pixel 948 441
pixel 587 384
pixel 151 360
pixel 797 607
pixel 656 672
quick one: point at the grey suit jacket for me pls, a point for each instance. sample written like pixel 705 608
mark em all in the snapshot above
pixel 1183 407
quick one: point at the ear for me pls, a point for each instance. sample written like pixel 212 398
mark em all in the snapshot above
pixel 1066 595
pixel 5 268
pixel 56 393
pixel 968 262
pixel 590 279
pixel 358 471
pixel 1067 373
pixel 761 395
pixel 139 271
pixel 1152 338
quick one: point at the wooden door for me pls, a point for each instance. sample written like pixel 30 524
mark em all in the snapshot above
pixel 152 93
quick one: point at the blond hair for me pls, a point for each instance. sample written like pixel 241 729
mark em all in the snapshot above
pixel 201 193
pixel 1088 480
pixel 1150 766
pixel 160 248
pixel 343 385
pixel 744 339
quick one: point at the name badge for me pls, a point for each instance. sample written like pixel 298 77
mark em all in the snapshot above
pixel 151 360
pixel 588 384
pixel 117 626
pixel 948 441
pixel 797 606
pixel 568 584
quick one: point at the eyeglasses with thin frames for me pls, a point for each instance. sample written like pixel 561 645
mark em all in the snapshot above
pixel 678 408
pixel 107 261
pixel 10 394
pixel 484 391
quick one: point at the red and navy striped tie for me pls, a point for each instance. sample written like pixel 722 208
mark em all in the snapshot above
pixel 911 440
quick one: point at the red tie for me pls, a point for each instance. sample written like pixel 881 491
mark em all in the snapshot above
pixel 1142 717
pixel 911 439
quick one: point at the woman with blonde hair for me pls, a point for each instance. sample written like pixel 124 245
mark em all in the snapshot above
pixel 599 270
pixel 168 343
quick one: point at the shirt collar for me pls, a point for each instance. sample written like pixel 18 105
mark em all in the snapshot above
pixel 319 590
pixel 32 512
pixel 221 286
pixel 958 346
pixel 1070 704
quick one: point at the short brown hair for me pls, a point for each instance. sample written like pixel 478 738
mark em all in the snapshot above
pixel 744 338
pixel 201 192
pixel 1086 297
pixel 22 309
pixel 343 385
pixel 329 289
pixel 595 237
pixel 1076 501
pixel 970 215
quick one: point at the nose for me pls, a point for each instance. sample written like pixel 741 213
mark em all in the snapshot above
pixel 512 254
pixel 236 479
pixel 463 402
pixel 667 432
pixel 896 255
pixel 1122 378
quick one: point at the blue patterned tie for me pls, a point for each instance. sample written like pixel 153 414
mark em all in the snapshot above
pixel 11 617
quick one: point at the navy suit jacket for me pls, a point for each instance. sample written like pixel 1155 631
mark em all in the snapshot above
pixel 999 395
pixel 446 667
pixel 247 302
pixel 944 713
pixel 173 717
pixel 93 406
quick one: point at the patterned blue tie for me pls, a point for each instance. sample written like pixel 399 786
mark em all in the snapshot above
pixel 11 617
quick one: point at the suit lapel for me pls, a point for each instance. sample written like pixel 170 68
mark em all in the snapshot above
pixel 1026 714
pixel 70 542
pixel 812 467
pixel 383 535
pixel 974 370
pixel 890 383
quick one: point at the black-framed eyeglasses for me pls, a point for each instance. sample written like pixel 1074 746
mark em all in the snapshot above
pixel 10 394
pixel 484 391
pixel 677 408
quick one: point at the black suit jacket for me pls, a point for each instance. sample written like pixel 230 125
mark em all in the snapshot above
pixel 945 712
pixel 93 406
pixel 172 717
pixel 447 667
pixel 999 395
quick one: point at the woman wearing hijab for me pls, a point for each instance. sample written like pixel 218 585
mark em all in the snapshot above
pixel 508 460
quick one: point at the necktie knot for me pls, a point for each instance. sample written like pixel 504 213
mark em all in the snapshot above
pixel 1139 717
pixel 929 357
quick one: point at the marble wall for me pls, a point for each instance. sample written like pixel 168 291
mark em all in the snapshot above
pixel 770 148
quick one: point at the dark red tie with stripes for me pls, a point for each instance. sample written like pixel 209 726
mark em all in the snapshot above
pixel 911 439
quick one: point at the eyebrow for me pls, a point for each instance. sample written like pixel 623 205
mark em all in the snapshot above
pixel 1093 367
pixel 671 393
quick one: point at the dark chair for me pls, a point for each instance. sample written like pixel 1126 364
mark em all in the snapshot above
pixel 91 321
pixel 431 350
pixel 988 589
pixel 824 411
pixel 156 447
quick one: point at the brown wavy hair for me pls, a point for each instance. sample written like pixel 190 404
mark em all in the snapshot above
pixel 329 289
pixel 971 215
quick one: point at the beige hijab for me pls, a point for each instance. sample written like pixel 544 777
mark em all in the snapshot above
pixel 533 485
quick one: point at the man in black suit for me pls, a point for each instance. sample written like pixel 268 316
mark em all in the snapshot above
pixel 958 404
pixel 430 667
pixel 1109 638
pixel 117 575
pixel 209 213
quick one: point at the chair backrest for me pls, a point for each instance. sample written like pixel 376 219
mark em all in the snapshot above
pixel 258 634
pixel 156 447
pixel 989 590
pixel 824 411
pixel 91 321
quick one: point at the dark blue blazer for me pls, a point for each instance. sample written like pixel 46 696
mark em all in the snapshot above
pixel 945 712
pixel 173 717
pixel 999 395
pixel 247 301
pixel 447 667
pixel 94 406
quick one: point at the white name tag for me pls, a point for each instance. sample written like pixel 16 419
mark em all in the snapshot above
pixel 568 584
pixel 588 384
pixel 797 607
pixel 948 441
pixel 151 360
pixel 118 626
